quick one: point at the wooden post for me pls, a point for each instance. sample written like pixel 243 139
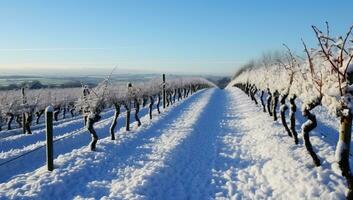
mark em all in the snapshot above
pixel 23 113
pixel 49 129
pixel 128 107
pixel 23 123
pixel 128 119
pixel 164 94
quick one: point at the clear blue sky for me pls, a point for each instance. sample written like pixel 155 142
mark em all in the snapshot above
pixel 161 36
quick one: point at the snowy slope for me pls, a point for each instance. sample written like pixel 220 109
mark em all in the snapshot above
pixel 214 145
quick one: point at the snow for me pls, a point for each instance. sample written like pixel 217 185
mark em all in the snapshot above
pixel 345 112
pixel 216 144
pixel 306 124
pixel 283 108
pixel 269 165
pixel 305 82
pixel 341 146
pixel 49 109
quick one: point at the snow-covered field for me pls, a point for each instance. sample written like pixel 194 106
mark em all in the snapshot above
pixel 216 144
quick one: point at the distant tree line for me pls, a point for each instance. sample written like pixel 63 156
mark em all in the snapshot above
pixel 36 84
pixel 221 82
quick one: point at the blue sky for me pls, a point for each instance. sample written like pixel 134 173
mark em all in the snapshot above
pixel 212 37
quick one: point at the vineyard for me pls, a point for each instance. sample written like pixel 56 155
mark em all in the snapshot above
pixel 76 110
pixel 216 142
pixel 280 128
pixel 186 138
pixel 323 78
pixel 21 109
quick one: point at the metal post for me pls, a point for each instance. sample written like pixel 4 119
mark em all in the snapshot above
pixel 164 95
pixel 49 129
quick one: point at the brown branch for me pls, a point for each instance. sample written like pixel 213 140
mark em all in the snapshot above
pixel 311 65
pixel 291 57
pixel 318 83
pixel 349 62
pixel 344 42
pixel 292 62
pixel 332 40
pixel 336 68
pixel 282 64
pixel 327 34
pixel 317 32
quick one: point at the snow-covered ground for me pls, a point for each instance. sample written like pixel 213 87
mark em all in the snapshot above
pixel 216 144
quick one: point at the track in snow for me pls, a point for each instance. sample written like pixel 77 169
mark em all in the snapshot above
pixel 215 145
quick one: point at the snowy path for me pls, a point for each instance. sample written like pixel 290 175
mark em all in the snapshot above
pixel 258 160
pixel 214 145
